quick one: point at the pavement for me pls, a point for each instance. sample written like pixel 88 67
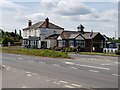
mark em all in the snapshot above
pixel 84 71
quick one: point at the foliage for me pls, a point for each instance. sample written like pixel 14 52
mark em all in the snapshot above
pixel 11 37
pixel 114 40
pixel 117 52
pixel 5 41
pixel 35 52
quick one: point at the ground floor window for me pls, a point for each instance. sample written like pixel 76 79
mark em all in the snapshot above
pixel 80 43
pixel 61 43
pixel 71 43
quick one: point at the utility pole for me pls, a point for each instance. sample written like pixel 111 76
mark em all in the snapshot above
pixel 115 34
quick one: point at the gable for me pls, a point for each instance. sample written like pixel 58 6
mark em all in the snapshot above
pixel 99 37
pixel 59 38
pixel 79 37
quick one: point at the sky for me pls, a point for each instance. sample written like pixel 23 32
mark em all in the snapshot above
pixel 95 15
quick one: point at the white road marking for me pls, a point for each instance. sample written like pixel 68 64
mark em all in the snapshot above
pixel 69 63
pixel 7 68
pixel 41 62
pixel 115 75
pixel 77 85
pixel 3 66
pixel 93 67
pixel 47 80
pixel 56 65
pixel 24 87
pixel 69 86
pixel 105 64
pixel 93 71
pixel 56 82
pixel 20 58
pixel 27 72
pixel 73 67
pixel 29 75
pixel 63 82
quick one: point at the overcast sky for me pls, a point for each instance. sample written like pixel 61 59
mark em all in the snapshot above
pixel 97 16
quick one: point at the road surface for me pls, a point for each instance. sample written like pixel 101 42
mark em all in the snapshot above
pixel 84 71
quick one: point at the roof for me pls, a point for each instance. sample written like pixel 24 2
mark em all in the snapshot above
pixel 53 36
pixel 67 34
pixel 89 35
pixel 42 25
pixel 74 34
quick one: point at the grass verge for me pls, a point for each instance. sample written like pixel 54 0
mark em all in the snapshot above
pixel 35 52
pixel 97 53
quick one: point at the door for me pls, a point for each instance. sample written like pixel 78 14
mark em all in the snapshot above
pixel 44 44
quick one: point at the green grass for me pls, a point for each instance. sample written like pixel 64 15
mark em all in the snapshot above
pixel 97 53
pixel 35 52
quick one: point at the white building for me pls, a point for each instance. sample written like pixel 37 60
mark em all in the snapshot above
pixel 36 35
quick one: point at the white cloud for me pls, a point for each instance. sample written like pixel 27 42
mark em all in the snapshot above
pixel 65 14
pixel 63 8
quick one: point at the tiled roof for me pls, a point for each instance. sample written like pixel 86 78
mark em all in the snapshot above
pixel 53 36
pixel 42 25
pixel 89 35
pixel 74 34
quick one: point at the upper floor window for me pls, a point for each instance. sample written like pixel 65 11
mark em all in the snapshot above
pixel 54 32
pixel 35 34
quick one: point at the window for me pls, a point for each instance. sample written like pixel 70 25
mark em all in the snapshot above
pixel 71 43
pixel 64 43
pixel 61 43
pixel 25 33
pixel 35 33
pixel 54 32
pixel 80 43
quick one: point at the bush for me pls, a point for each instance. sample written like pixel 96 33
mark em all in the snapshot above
pixel 58 48
pixel 17 43
pixel 5 41
pixel 69 49
pixel 117 52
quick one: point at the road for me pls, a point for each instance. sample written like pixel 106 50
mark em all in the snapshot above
pixel 84 71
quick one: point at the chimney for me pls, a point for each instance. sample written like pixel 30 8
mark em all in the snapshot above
pixel 47 22
pixel 81 28
pixel 29 23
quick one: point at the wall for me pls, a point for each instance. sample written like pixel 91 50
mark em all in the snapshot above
pixel 51 43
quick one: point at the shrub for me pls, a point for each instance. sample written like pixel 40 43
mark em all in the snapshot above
pixel 117 52
pixel 58 48
pixel 69 49
pixel 17 43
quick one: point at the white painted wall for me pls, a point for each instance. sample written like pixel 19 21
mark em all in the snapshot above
pixel 40 32
pixel 39 44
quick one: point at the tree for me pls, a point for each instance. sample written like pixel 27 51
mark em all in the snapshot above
pixel 5 40
pixel 20 32
pixel 15 31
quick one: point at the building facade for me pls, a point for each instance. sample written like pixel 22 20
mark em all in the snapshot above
pixel 34 36
pixel 45 34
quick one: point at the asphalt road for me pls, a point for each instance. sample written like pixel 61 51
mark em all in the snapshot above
pixel 84 71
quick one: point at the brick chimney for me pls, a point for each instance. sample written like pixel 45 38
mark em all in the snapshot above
pixel 29 23
pixel 47 22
